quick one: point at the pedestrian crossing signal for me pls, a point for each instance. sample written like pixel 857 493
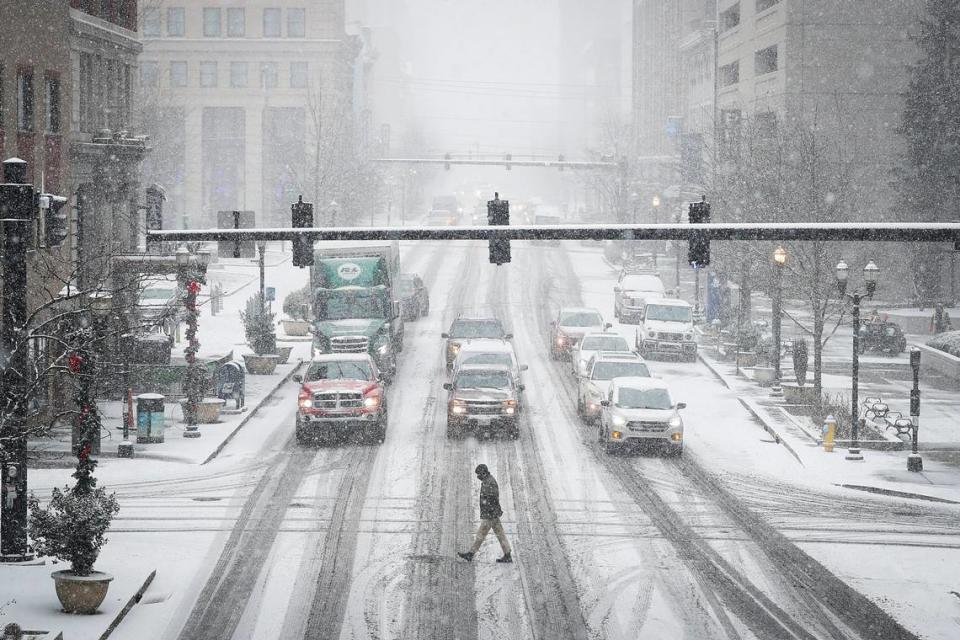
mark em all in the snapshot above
pixel 498 214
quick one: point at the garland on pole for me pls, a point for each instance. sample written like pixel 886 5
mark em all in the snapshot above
pixel 81 364
pixel 195 377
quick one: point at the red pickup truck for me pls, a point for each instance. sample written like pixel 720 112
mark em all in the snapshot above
pixel 342 398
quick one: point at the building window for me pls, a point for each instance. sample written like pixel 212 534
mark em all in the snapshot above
pixel 296 23
pixel 211 22
pixel 53 105
pixel 208 74
pixel 766 125
pixel 151 22
pixel 765 61
pixel 176 22
pixel 178 74
pixel 86 91
pixel 763 5
pixel 269 75
pixel 271 23
pixel 298 74
pixel 730 18
pixel 149 74
pixel 1 98
pixel 236 22
pixel 238 75
pixel 25 100
pixel 730 74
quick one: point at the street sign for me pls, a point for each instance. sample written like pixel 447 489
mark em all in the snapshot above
pixel 270 294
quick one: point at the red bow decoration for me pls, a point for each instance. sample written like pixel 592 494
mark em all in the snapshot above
pixel 75 362
pixel 193 287
pixel 84 452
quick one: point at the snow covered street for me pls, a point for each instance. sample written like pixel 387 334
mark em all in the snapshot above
pixel 738 538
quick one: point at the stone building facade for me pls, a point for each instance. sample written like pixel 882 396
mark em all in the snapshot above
pixel 234 94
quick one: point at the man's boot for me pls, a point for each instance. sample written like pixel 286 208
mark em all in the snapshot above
pixel 466 555
pixel 506 558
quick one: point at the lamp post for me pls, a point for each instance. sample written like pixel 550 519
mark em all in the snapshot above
pixel 779 262
pixel 870 273
pixel 914 461
pixel 191 271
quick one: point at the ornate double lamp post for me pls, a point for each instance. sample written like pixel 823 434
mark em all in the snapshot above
pixel 870 274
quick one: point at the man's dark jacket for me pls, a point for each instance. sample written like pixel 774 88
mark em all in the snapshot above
pixel 489 499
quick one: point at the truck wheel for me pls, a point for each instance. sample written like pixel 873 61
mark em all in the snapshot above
pixel 380 431
pixel 513 431
pixel 612 448
pixel 581 410
pixel 426 309
pixel 300 433
pixel 453 431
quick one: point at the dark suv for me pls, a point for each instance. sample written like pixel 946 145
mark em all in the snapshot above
pixel 463 330
pixel 484 398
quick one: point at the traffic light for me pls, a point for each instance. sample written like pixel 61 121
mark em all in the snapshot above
pixel 498 213
pixel 698 254
pixel 302 213
pixel 56 225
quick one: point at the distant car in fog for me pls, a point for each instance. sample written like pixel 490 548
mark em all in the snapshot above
pixel 413 295
pixel 441 218
pixel 546 220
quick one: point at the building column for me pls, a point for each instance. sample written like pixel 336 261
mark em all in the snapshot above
pixel 193 172
pixel 253 164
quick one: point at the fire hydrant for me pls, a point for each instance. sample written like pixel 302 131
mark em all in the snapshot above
pixel 829 433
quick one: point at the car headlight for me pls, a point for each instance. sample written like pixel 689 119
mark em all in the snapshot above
pixel 371 402
pixel 675 422
pixel 651 334
pixel 458 407
pixel 618 421
pixel 454 347
pixel 561 339
pixel 306 403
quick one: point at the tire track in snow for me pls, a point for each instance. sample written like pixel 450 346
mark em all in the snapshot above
pixel 441 602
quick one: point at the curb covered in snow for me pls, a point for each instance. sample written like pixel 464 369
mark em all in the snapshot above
pixel 896 494
pixel 252 413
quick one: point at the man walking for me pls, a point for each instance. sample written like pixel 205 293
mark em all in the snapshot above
pixel 490 513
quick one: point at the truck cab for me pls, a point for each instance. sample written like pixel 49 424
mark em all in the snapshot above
pixel 667 330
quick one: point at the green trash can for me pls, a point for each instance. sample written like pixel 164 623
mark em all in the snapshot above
pixel 150 418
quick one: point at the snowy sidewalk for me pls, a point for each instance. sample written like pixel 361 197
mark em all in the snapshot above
pixel 880 471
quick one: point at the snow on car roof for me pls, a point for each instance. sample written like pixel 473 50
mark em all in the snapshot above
pixel 579 310
pixel 341 357
pixel 619 355
pixel 636 382
pixel 669 302
pixel 487 345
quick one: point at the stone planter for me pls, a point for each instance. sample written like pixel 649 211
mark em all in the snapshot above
pixel 284 353
pixel 763 376
pixel 260 365
pixel 208 411
pixel 296 327
pixel 794 394
pixel 747 359
pixel 81 594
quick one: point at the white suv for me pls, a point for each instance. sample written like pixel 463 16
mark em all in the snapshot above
pixel 593 343
pixel 638 412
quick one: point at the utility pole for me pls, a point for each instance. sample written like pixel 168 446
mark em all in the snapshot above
pixel 17 207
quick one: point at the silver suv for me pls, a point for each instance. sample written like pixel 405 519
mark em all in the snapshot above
pixel 483 398
pixel 631 293
pixel 638 412
pixel 601 370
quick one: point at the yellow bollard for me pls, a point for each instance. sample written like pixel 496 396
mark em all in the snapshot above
pixel 829 433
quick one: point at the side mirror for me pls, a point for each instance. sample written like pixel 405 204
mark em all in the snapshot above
pixel 521 387
pixel 616 289
pixel 523 367
pixel 448 386
pixel 444 335
pixel 681 405
pixel 508 336
pixel 604 403
pixel 553 323
pixel 297 378
pixel 607 325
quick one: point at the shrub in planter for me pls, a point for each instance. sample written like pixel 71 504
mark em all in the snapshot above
pixel 800 359
pixel 258 325
pixel 948 342
pixel 72 528
pixel 296 306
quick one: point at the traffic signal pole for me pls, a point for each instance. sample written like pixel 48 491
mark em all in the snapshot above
pixel 16 215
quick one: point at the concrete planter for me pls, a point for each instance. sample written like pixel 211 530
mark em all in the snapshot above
pixel 284 353
pixel 260 365
pixel 794 394
pixel 747 358
pixel 296 327
pixel 763 376
pixel 81 594
pixel 208 411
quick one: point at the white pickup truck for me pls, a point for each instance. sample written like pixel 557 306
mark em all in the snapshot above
pixel 667 330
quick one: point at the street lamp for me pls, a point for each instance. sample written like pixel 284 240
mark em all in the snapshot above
pixel 779 262
pixel 870 273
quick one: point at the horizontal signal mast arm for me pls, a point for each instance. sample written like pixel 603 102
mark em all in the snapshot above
pixel 836 231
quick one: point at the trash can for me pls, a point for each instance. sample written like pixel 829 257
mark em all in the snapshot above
pixel 150 418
